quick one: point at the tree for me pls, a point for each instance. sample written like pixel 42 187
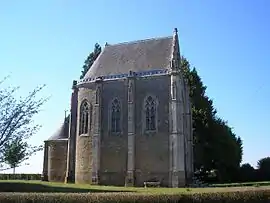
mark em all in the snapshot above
pixel 90 60
pixel 18 151
pixel 212 136
pixel 224 140
pixel 16 120
pixel 264 168
pixel 247 173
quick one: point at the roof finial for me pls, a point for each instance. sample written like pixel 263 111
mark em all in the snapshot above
pixel 175 31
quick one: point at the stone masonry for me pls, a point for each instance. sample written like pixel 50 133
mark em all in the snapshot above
pixel 130 120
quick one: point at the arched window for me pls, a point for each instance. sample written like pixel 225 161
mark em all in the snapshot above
pixel 84 117
pixel 150 114
pixel 115 116
pixel 98 95
pixel 130 93
pixel 174 90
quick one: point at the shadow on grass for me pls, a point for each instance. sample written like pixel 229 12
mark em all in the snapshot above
pixel 36 187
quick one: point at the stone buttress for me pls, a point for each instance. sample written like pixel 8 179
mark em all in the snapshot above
pixel 131 130
pixel 97 133
pixel 70 173
pixel 177 137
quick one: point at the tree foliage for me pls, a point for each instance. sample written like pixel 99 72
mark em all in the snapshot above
pixel 90 60
pixel 216 146
pixel 18 151
pixel 16 119
pixel 264 168
pixel 247 173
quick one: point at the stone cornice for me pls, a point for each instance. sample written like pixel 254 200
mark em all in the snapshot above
pixel 156 72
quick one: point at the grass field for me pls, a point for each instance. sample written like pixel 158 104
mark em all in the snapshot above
pixel 50 187
pixel 15 191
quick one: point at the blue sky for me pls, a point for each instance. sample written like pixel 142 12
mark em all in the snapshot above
pixel 46 42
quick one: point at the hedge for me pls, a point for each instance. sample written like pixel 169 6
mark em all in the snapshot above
pixel 261 196
pixel 20 176
pixel 247 184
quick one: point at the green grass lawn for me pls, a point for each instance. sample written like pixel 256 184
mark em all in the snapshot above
pixel 52 187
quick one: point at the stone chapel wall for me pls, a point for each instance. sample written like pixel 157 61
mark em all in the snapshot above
pixel 152 149
pixel 83 167
pixel 113 159
pixel 57 160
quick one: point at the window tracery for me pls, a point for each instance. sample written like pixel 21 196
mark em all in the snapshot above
pixel 150 114
pixel 115 116
pixel 84 117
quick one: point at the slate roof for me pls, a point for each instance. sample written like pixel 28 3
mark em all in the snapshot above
pixel 149 54
pixel 62 132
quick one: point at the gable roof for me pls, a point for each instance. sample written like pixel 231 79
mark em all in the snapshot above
pixel 149 54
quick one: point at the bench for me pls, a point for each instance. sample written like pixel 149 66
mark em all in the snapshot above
pixel 151 184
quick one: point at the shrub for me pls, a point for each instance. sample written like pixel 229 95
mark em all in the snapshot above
pixel 261 196
pixel 248 184
pixel 20 176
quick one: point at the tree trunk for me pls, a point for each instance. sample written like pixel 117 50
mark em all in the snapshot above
pixel 14 170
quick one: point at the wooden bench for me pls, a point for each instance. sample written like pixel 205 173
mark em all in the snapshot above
pixel 151 184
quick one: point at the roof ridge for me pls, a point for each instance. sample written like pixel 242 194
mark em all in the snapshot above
pixel 139 41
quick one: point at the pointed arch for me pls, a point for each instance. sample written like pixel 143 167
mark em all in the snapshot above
pixel 115 116
pixel 85 111
pixel 150 113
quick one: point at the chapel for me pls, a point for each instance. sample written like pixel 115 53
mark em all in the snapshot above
pixel 130 120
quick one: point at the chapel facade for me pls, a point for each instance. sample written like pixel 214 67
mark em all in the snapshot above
pixel 130 120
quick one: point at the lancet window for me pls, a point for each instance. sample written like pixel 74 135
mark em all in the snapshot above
pixel 150 114
pixel 84 117
pixel 115 116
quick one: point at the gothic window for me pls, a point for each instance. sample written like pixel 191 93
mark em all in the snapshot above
pixel 84 117
pixel 174 90
pixel 98 95
pixel 130 93
pixel 150 114
pixel 115 116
